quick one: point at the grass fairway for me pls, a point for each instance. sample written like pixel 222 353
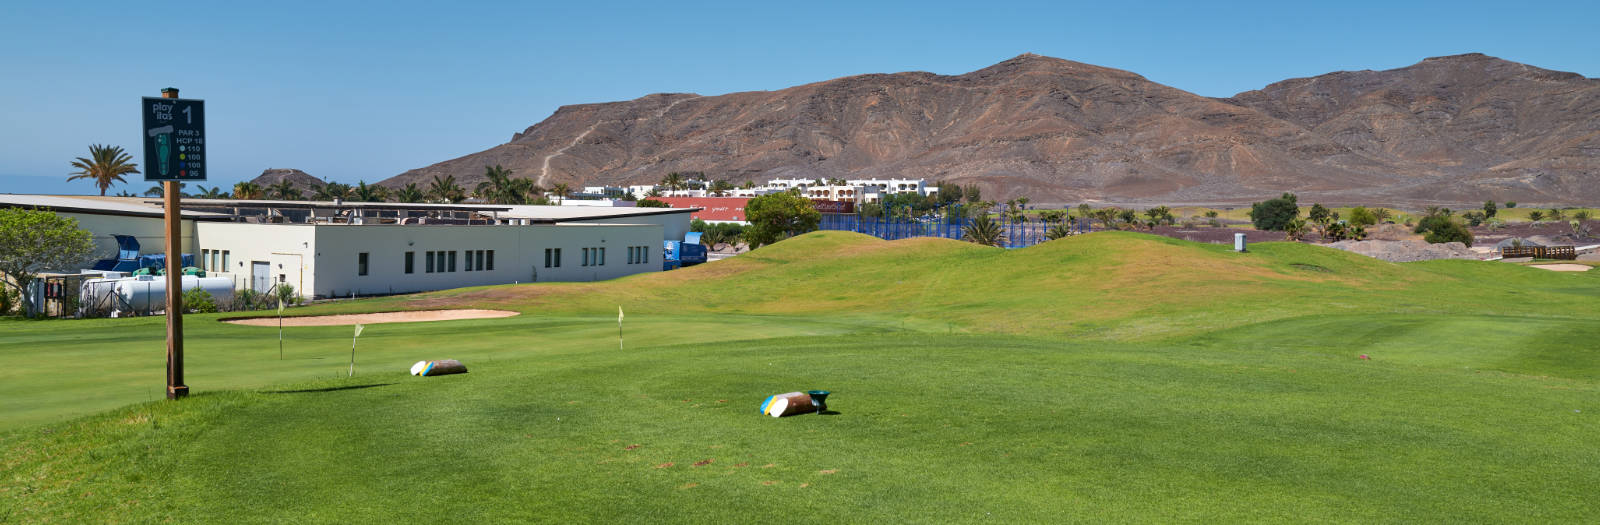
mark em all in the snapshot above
pixel 1109 377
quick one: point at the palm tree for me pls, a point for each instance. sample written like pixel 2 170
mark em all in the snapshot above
pixel 374 193
pixel 247 191
pixel 284 190
pixel 105 166
pixel 983 231
pixel 673 181
pixel 214 192
pixel 331 191
pixel 720 187
pixel 561 189
pixel 445 189
pixel 1058 231
pixel 410 193
pixel 500 188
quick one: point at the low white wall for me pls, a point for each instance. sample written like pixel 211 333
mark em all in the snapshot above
pixel 287 248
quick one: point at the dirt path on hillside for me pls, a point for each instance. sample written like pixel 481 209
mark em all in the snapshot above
pixel 378 318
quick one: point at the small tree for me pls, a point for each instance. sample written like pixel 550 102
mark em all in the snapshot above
pixel 983 231
pixel 1581 215
pixel 1555 214
pixel 1535 216
pixel 32 241
pixel 651 203
pixel 1058 231
pixel 776 216
pixel 1438 226
pixel 1211 214
pixel 1275 214
pixel 1296 229
pixel 1511 204
pixel 973 194
pixel 1489 209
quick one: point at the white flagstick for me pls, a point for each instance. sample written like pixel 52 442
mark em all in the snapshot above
pixel 619 327
pixel 353 351
pixel 280 328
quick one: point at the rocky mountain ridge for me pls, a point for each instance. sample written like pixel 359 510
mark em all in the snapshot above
pixel 1463 128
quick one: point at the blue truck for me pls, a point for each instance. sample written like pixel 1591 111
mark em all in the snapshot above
pixel 687 252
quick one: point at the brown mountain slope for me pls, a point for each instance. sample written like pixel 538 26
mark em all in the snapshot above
pixel 1486 126
pixel 1052 129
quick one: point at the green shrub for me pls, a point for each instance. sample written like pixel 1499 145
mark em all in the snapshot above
pixel 1275 214
pixel 1489 209
pixel 198 301
pixel 1511 204
pixel 1361 216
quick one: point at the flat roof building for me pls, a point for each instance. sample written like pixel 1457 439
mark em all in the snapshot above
pixel 336 249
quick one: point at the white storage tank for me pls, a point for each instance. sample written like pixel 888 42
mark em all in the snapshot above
pixel 149 292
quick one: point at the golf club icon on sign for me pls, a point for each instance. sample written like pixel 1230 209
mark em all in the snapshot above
pixel 163 136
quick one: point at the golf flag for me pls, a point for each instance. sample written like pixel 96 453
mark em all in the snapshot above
pixel 619 315
pixel 358 330
pixel 353 351
pixel 619 327
pixel 280 306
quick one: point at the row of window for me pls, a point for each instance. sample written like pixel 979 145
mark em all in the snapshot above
pixel 638 254
pixel 552 257
pixel 594 256
pixel 440 261
pixel 214 260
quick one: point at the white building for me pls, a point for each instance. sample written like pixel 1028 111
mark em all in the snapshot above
pixel 327 249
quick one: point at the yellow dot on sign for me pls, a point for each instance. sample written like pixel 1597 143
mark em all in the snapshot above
pixel 182 156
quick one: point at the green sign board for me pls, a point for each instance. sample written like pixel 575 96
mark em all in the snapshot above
pixel 174 137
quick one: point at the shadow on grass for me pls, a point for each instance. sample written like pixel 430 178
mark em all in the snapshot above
pixel 328 389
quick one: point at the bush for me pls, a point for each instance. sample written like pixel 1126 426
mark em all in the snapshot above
pixel 1555 214
pixel 651 203
pixel 1582 215
pixel 1211 214
pixel 198 301
pixel 1511 204
pixel 1489 209
pixel 776 216
pixel 1275 214
pixel 285 294
pixel 1535 215
pixel 1361 216
pixel 1439 227
pixel 8 300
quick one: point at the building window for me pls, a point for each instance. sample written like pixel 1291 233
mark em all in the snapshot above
pixel 491 261
pixel 205 260
pixel 225 260
pixel 480 260
pixel 602 256
pixel 585 257
pixel 361 263
pixel 452 261
pixel 411 265
pixel 552 257
pixel 467 254
pixel 427 259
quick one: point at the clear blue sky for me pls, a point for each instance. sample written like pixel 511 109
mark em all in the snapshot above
pixel 363 91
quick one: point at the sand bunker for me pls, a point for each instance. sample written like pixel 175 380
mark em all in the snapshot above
pixel 378 318
pixel 1563 267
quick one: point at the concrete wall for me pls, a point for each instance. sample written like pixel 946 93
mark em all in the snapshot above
pixel 518 257
pixel 287 248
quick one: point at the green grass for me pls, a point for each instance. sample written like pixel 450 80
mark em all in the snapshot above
pixel 1108 377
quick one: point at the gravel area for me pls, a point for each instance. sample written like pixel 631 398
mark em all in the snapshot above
pixel 1406 251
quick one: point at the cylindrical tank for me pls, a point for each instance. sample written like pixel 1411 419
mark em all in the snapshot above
pixel 149 293
pixel 1238 242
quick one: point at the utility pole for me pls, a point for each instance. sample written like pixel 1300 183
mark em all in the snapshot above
pixel 174 228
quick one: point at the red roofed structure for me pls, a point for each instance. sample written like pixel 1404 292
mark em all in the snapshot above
pixel 712 209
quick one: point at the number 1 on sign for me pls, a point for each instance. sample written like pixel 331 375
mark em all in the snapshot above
pixel 187 116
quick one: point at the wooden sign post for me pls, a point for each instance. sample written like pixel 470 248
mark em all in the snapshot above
pixel 174 151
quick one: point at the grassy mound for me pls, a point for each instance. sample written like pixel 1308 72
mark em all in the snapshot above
pixel 1109 375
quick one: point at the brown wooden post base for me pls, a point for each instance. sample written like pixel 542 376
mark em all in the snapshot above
pixel 177 391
